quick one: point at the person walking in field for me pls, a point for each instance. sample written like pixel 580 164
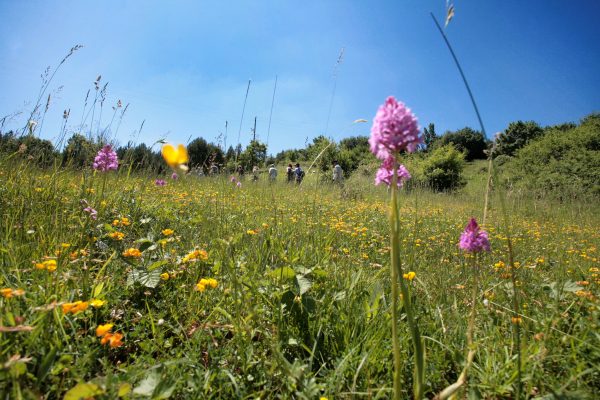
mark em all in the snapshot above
pixel 272 173
pixel 255 173
pixel 338 173
pixel 299 174
pixel 290 173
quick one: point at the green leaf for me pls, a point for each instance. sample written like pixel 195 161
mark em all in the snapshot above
pixel 148 384
pixel 303 283
pixel 46 364
pixel 124 389
pixel 83 391
pixel 98 289
pixel 283 273
pixel 157 264
pixel 148 279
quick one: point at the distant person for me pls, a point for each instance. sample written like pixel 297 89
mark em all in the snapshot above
pixel 214 169
pixel 290 173
pixel 338 173
pixel 299 174
pixel 255 173
pixel 240 172
pixel 272 173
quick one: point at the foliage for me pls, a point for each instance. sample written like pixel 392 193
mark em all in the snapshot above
pixel 563 164
pixel 140 158
pixel 301 309
pixel 38 151
pixel 79 151
pixel 254 154
pixel 442 169
pixel 516 136
pixel 429 136
pixel 202 154
pixel 470 142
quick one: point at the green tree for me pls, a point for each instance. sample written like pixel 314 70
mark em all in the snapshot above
pixel 429 136
pixel 254 154
pixel 472 143
pixel 79 151
pixel 516 136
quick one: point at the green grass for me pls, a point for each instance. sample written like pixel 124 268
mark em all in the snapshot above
pixel 301 309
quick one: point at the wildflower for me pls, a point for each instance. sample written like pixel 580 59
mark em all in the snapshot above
pixel 516 320
pixel 106 159
pixel 196 255
pixel 174 176
pixel 93 213
pixel 251 232
pixel 200 287
pixel 116 235
pixel 175 157
pixel 160 182
pixel 409 276
pixel 233 179
pixel 102 330
pixel 132 252
pixel 97 303
pixel 386 171
pixel 75 307
pixel 167 232
pixel 49 265
pixel 473 239
pixel 164 276
pixel 239 185
pixel 394 129
pixel 113 339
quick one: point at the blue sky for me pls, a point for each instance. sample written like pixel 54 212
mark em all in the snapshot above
pixel 183 66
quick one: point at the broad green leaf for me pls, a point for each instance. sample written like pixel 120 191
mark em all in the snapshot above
pixel 83 390
pixel 303 283
pixel 148 384
pixel 283 273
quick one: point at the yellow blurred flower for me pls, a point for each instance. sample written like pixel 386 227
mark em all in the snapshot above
pixel 409 276
pixel 164 276
pixel 167 232
pixel 74 307
pixel 116 235
pixel 175 157
pixel 97 303
pixel 196 255
pixel 102 330
pixel 132 252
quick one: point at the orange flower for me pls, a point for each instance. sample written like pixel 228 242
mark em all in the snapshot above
pixel 132 252
pixel 102 330
pixel 113 339
pixel 75 307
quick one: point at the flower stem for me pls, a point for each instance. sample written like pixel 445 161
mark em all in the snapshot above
pixel 397 276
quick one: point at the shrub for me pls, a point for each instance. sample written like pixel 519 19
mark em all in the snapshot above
pixel 442 170
pixel 561 163
pixel 466 140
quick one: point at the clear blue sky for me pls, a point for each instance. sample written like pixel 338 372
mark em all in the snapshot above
pixel 184 65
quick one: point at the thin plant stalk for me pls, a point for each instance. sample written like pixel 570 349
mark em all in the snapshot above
pixel 397 276
pixel 492 172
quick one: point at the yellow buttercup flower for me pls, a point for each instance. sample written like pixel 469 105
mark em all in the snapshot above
pixel 175 157
pixel 409 276
pixel 97 303
pixel 167 232
pixel 116 235
pixel 102 330
pixel 132 252
pixel 164 276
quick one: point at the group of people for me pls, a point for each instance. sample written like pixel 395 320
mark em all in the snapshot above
pixel 294 174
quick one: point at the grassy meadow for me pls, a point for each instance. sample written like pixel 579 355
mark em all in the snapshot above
pixel 280 291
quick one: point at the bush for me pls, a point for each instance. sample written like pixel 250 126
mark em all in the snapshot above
pixel 466 140
pixel 442 170
pixel 561 163
pixel 516 136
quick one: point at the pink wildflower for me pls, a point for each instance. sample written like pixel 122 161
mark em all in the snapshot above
pixel 233 179
pixel 394 129
pixel 93 213
pixel 239 184
pixel 160 182
pixel 386 172
pixel 106 159
pixel 174 175
pixel 474 239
